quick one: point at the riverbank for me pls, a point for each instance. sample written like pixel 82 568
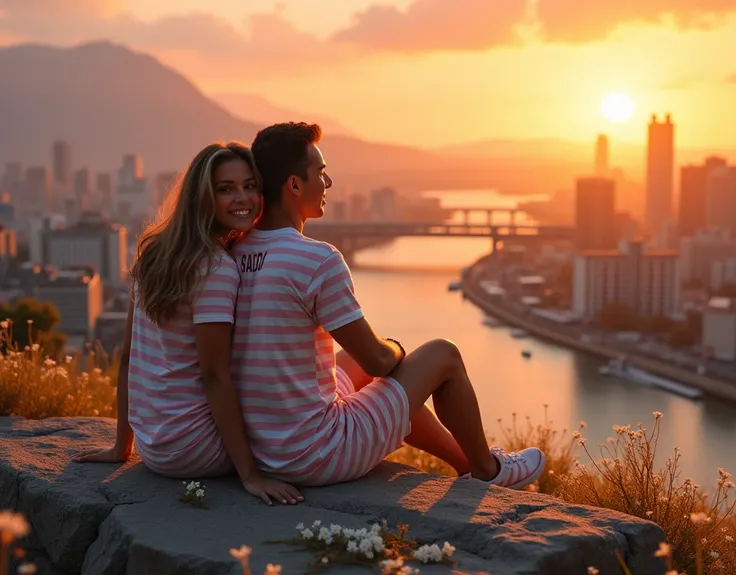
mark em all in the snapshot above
pixel 472 290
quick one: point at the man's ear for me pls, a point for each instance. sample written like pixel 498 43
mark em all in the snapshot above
pixel 293 184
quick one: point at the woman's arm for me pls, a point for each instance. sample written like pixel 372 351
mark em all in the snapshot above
pixel 124 437
pixel 214 348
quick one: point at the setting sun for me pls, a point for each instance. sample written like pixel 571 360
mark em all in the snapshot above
pixel 617 107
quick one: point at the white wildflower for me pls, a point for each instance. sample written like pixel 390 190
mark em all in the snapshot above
pixel 324 533
pixel 325 560
pixel 698 518
pixel 335 529
pixel 448 549
pixel 199 493
pixel 307 534
pixel 714 554
pixel 273 569
pixel 352 547
pixel 300 526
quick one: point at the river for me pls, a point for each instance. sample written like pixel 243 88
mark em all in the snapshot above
pixel 403 290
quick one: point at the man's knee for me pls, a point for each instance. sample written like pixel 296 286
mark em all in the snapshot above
pixel 446 352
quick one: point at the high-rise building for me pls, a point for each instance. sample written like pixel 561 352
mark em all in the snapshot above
pixel 595 210
pixel 601 155
pixel 719 329
pixel 383 204
pixel 103 189
pixel 82 183
pixel 133 200
pixel 660 173
pixel 722 199
pixel 62 152
pixel 76 293
pixel 37 196
pixel 702 251
pixel 647 282
pixel 693 212
pixel 91 242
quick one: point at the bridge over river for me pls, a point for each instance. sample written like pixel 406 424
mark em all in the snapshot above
pixel 352 236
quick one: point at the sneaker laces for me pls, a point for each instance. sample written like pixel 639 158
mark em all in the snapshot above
pixel 507 457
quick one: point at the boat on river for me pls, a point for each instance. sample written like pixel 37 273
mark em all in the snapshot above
pixel 620 368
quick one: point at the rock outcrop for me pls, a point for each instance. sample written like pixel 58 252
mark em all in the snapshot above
pixel 99 519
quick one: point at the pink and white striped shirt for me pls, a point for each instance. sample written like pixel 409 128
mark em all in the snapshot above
pixel 175 433
pixel 293 291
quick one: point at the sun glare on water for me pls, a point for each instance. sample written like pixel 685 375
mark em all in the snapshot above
pixel 617 107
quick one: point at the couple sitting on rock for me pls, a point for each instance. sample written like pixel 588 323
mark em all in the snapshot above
pixel 228 363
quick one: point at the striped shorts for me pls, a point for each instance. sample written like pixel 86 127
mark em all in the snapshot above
pixel 373 423
pixel 203 456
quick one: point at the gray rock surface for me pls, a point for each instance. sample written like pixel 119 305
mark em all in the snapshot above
pixel 98 519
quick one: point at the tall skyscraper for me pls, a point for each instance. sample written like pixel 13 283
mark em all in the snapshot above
pixel 595 210
pixel 601 155
pixel 660 173
pixel 62 152
pixel 722 199
pixel 693 212
pixel 37 190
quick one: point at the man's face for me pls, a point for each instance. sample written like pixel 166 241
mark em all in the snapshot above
pixel 313 190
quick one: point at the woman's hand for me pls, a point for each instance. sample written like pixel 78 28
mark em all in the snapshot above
pixel 102 455
pixel 265 489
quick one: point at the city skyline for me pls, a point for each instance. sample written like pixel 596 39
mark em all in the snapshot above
pixel 386 72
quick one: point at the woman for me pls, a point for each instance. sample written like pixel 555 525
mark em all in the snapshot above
pixel 176 401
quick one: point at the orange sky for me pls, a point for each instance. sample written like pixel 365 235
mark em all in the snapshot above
pixel 433 72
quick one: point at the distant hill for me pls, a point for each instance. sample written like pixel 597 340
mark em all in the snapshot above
pixel 257 109
pixel 108 100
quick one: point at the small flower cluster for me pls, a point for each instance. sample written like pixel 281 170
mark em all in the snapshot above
pixel 193 493
pixel 433 553
pixel 377 545
pixel 368 543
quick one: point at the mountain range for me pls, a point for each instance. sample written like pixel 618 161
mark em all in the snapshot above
pixel 107 100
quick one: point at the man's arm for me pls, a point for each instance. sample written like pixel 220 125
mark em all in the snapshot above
pixel 376 356
pixel 331 295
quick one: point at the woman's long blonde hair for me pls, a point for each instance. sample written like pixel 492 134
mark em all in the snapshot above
pixel 170 252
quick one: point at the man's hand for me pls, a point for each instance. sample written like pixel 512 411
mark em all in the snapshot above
pixel 102 455
pixel 265 488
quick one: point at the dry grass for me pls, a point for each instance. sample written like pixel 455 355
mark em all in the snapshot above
pixel 700 530
pixel 625 477
pixel 34 386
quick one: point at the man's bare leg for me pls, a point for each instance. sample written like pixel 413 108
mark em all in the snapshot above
pixel 436 369
pixel 427 433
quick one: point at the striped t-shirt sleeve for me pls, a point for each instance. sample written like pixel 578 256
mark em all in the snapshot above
pixel 331 294
pixel 214 301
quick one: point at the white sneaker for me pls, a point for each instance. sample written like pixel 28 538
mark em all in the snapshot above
pixel 518 468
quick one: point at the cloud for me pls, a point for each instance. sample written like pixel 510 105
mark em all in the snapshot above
pixel 578 22
pixel 437 25
pixel 267 44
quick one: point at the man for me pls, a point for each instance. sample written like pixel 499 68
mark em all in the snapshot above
pixel 312 418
